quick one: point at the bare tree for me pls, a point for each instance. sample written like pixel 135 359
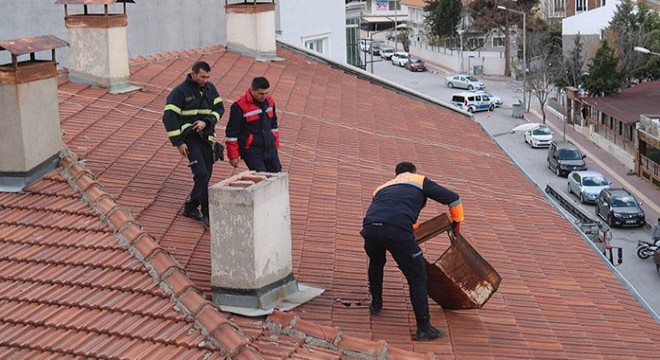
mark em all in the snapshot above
pixel 543 59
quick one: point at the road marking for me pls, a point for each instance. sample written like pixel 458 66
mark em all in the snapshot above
pixel 627 185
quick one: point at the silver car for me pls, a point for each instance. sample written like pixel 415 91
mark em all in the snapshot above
pixel 587 185
pixel 465 82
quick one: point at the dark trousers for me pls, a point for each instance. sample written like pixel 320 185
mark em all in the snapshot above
pixel 200 161
pixel 260 164
pixel 409 258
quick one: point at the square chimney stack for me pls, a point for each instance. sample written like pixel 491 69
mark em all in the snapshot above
pixel 98 52
pixel 251 28
pixel 30 139
pixel 251 262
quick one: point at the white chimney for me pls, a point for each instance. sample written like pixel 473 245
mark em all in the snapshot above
pixel 251 28
pixel 251 268
pixel 98 53
pixel 30 139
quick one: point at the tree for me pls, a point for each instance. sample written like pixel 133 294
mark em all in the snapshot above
pixel 604 78
pixel 634 25
pixel 543 50
pixel 443 17
pixel 572 65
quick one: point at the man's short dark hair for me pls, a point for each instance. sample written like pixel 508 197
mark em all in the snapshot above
pixel 260 83
pixel 405 166
pixel 201 65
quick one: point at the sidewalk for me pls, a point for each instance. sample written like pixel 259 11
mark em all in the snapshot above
pixel 614 170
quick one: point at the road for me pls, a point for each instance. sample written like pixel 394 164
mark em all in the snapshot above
pixel 641 275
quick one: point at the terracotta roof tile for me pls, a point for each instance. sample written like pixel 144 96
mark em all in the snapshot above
pixel 115 270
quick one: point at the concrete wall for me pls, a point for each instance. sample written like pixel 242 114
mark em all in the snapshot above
pixel 31 124
pixel 154 26
pixel 304 20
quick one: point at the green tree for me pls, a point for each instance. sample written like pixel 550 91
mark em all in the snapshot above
pixel 634 25
pixel 604 78
pixel 443 17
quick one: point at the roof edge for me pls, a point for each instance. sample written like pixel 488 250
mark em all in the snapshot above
pixel 162 266
pixel 371 77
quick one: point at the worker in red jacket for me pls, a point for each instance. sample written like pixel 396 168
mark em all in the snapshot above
pixel 252 132
pixel 389 226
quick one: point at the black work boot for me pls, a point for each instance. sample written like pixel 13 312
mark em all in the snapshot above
pixel 206 221
pixel 192 212
pixel 376 306
pixel 427 332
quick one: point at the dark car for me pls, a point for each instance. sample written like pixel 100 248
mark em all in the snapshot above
pixel 414 64
pixel 564 157
pixel 619 208
pixel 375 48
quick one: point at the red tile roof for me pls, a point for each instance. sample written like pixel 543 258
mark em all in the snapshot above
pixel 102 253
pixel 628 105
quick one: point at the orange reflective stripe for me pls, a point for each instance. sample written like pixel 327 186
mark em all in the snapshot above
pixel 405 178
pixel 456 212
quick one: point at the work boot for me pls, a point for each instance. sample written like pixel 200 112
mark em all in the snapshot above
pixel 375 307
pixel 206 221
pixel 192 212
pixel 427 333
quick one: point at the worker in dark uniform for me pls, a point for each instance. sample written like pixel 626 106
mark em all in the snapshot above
pixel 252 133
pixel 389 225
pixel 192 111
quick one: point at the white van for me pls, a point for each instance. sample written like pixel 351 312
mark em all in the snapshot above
pixel 472 102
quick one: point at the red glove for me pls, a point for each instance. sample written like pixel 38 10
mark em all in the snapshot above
pixel 455 227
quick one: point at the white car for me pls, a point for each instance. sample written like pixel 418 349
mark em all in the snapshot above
pixel 587 185
pixel 386 53
pixel 497 101
pixel 540 136
pixel 400 58
pixel 465 82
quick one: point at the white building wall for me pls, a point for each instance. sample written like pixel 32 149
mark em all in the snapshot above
pixel 317 25
pixel 591 22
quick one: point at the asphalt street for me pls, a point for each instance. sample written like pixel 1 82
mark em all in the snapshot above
pixel 640 276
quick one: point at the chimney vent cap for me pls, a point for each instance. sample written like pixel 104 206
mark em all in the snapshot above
pixel 32 44
pixel 91 2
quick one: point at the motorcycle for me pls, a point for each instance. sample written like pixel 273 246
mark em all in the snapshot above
pixel 646 249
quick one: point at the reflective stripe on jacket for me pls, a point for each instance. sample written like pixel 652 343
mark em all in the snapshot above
pixel 188 103
pixel 252 128
pixel 399 201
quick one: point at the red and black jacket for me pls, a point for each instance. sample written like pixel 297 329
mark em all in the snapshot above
pixel 252 128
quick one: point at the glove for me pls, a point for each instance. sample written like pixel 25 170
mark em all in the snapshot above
pixel 455 227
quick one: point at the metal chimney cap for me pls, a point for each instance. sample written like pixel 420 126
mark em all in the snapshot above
pixel 32 44
pixel 91 2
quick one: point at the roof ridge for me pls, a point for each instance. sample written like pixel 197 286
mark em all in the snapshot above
pixel 161 265
pixel 174 55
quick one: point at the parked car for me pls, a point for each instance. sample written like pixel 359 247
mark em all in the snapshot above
pixel 465 82
pixel 496 99
pixel 656 258
pixel 587 185
pixel 619 208
pixel 472 102
pixel 386 52
pixel 400 58
pixel 538 137
pixel 376 47
pixel 564 157
pixel 365 45
pixel 414 64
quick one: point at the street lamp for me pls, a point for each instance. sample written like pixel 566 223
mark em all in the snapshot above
pixel 524 102
pixel 645 50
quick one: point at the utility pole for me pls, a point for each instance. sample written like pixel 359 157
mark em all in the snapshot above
pixel 396 28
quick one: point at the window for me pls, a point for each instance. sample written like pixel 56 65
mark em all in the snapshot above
pixel 476 42
pixel 581 5
pixel 319 43
pixel 498 41
pixel 560 5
